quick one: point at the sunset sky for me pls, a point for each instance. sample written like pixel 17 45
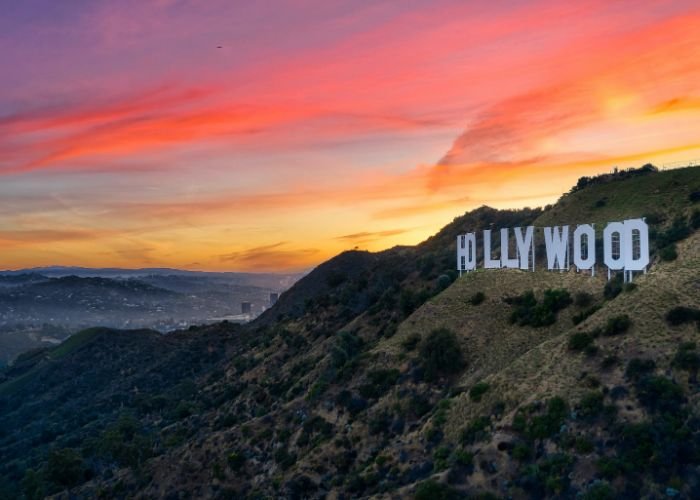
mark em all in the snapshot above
pixel 270 136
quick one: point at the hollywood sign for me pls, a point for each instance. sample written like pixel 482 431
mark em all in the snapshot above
pixel 625 248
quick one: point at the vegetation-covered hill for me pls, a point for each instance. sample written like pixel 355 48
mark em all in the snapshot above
pixel 386 375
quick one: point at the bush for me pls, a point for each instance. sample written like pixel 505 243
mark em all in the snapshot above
pixel 583 299
pixel 529 312
pixel 694 197
pixel 613 287
pixel 544 425
pixel 583 445
pixel 681 314
pixel 347 346
pixel 660 394
pixel 478 390
pixel 285 459
pixel 548 424
pixel 235 460
pixel 65 468
pixel 411 341
pixel 599 490
pixel 462 458
pixel 443 282
pixel 521 451
pixel 432 490
pixel 477 298
pixel 609 361
pixel 591 405
pixel 585 314
pixel 679 230
pixel 380 381
pixel 695 219
pixel 476 430
pixel 668 253
pixel 441 355
pixel 687 357
pixel 638 368
pixel 609 467
pixel 580 341
pixel 617 325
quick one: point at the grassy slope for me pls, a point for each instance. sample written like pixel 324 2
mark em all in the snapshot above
pixel 523 365
pixel 664 192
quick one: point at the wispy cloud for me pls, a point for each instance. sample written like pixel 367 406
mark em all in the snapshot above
pixel 273 256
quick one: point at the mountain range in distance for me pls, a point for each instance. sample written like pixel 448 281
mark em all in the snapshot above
pixel 43 306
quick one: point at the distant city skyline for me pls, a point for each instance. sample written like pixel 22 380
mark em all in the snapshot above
pixel 231 136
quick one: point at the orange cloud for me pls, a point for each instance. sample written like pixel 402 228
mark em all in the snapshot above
pixel 271 257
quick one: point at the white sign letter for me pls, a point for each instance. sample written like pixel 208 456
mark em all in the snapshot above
pixel 524 245
pixel 466 252
pixel 587 231
pixel 640 261
pixel 557 246
pixel 614 260
pixel 509 263
pixel 489 263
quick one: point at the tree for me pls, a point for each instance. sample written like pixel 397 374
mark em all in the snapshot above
pixel 441 354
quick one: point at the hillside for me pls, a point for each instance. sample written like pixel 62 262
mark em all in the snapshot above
pixel 386 375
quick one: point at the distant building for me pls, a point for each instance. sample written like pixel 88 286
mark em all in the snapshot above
pixel 245 307
pixel 273 298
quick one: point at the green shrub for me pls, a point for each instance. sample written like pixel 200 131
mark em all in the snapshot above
pixel 235 460
pixel 660 394
pixel 522 451
pixel 477 298
pixel 478 390
pixel 609 361
pixel 613 287
pixel 617 325
pixel 528 312
pixel 441 355
pixel 637 368
pixel 678 231
pixel 432 490
pixel 126 443
pixel 463 458
pixel 411 341
pixel 681 314
pixel 583 445
pixel 609 467
pixel 599 490
pixel 580 341
pixel 380 381
pixel 476 430
pixel 585 314
pixel 547 424
pixel 591 404
pixel 695 219
pixel 668 253
pixel 65 468
pixel 347 346
pixel 284 459
pixel 687 358
pixel 583 299
pixel 443 282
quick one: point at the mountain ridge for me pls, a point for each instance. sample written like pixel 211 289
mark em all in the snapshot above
pixel 349 386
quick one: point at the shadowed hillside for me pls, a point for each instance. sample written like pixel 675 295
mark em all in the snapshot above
pixel 387 375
